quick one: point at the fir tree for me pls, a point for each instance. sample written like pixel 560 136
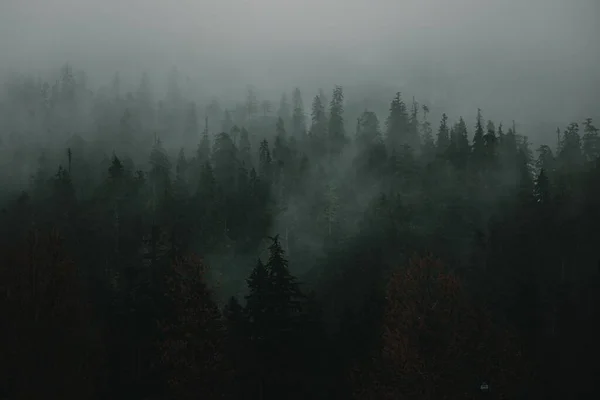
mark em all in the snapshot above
pixel 336 134
pixel 478 148
pixel 443 136
pixel 298 117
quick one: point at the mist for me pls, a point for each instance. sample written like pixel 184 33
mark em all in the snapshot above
pixel 319 199
pixel 523 60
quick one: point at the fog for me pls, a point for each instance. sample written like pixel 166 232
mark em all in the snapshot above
pixel 524 60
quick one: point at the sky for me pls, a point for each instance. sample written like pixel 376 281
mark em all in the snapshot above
pixel 528 58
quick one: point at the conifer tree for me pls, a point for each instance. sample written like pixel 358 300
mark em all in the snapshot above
pixel 397 125
pixel 443 136
pixel 298 117
pixel 245 149
pixel 478 141
pixel 591 141
pixel 264 160
pixel 336 134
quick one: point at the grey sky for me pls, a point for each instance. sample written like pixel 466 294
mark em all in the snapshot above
pixel 540 55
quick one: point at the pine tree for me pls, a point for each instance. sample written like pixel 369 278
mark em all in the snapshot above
pixel 478 147
pixel 570 154
pixel 397 125
pixel 369 131
pixel 298 117
pixel 251 101
pixel 413 127
pixel 427 137
pixel 181 183
pixel 258 307
pixel 203 152
pixel 443 136
pixel 264 160
pixel 542 188
pixel 224 161
pixel 591 141
pixel 318 128
pixel 459 144
pixel 491 144
pixel 245 149
pixel 285 297
pixel 284 111
pixel 336 134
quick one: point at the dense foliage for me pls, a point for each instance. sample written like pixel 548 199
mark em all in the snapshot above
pixel 261 254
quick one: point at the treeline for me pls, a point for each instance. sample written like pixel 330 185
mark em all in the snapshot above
pixel 105 279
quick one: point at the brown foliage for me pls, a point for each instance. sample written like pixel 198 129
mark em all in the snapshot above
pixel 46 346
pixel 193 346
pixel 435 342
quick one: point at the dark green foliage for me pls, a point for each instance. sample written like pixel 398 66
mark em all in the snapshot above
pixel 521 234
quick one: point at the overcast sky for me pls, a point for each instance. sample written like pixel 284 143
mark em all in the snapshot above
pixel 539 55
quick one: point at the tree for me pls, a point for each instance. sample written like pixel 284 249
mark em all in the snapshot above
pixel 224 161
pixel 430 327
pixel 570 154
pixel 443 136
pixel 478 148
pixel 251 101
pixel 369 129
pixel 491 143
pixel 542 188
pixel 336 133
pixel 284 111
pixel 397 125
pixel 193 348
pixel 264 160
pixel 298 117
pixel 591 141
pixel 459 144
pixel 245 149
pixel 266 107
pixel 413 125
pixel 203 152
pixel 427 136
pixel 318 128
pixel 46 337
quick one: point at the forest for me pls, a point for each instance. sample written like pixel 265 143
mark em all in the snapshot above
pixel 156 248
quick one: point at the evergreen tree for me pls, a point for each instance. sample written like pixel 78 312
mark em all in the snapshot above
pixel 284 111
pixel 427 137
pixel 443 136
pixel 318 128
pixel 542 188
pixel 203 152
pixel 336 134
pixel 570 154
pixel 298 117
pixel 459 144
pixel 245 148
pixel 251 101
pixel 478 141
pixel 491 144
pixel 591 141
pixel 224 161
pixel 369 129
pixel 264 160
pixel 397 125
pixel 413 127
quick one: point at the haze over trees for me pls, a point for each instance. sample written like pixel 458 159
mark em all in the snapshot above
pixel 281 240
